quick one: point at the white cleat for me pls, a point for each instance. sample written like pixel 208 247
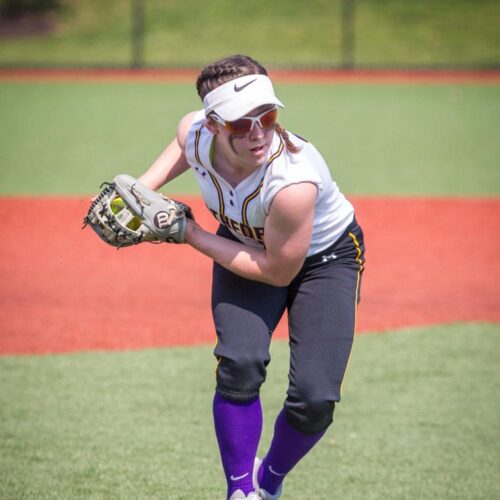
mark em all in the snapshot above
pixel 263 494
pixel 239 495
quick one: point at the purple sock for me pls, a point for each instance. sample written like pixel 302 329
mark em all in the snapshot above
pixel 238 426
pixel 288 446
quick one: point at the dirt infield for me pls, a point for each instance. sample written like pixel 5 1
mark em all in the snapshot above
pixel 428 261
pixel 475 77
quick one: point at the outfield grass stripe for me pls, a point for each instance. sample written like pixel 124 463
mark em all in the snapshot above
pixel 419 419
pixel 377 139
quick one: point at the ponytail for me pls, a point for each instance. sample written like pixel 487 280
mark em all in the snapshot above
pixel 290 146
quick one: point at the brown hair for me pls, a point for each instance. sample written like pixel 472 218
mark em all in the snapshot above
pixel 229 68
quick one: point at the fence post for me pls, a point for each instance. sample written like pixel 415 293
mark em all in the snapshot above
pixel 137 34
pixel 347 30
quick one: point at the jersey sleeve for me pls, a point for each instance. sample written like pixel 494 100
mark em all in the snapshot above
pixel 292 168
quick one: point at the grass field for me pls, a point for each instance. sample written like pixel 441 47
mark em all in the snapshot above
pixel 377 139
pixel 191 33
pixel 419 419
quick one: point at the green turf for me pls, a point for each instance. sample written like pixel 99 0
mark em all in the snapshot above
pixel 386 32
pixel 406 139
pixel 377 139
pixel 419 419
pixel 69 138
pixel 400 139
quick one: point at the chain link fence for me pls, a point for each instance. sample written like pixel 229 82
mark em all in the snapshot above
pixel 349 34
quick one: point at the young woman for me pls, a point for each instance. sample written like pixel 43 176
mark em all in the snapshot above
pixel 287 240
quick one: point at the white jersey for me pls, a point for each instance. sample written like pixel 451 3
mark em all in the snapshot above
pixel 244 208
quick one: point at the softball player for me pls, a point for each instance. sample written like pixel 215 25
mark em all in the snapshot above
pixel 288 240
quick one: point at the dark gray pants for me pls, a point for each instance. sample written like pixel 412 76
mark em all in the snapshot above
pixel 321 302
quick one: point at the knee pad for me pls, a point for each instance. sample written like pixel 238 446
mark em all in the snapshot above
pixel 309 416
pixel 240 380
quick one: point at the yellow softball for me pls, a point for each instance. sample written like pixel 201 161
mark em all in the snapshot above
pixel 118 204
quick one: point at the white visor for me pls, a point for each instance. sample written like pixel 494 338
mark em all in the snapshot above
pixel 236 98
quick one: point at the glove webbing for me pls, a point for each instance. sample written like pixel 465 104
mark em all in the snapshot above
pixel 110 186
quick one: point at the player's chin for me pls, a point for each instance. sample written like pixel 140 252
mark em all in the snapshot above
pixel 259 153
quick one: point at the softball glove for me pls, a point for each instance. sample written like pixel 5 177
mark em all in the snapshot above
pixel 127 213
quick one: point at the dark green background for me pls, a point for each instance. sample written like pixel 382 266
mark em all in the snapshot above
pixel 279 33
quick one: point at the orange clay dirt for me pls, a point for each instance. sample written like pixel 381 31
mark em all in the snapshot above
pixel 327 76
pixel 428 261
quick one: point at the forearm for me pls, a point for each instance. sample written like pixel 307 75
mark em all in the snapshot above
pixel 170 164
pixel 247 262
pixel 161 172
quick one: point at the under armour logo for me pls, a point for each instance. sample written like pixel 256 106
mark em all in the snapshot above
pixel 164 219
pixel 329 257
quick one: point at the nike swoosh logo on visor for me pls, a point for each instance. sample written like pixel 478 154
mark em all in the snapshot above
pixel 239 89
pixel 237 478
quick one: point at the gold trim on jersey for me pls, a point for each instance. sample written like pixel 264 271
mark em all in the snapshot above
pixel 253 195
pixel 197 146
pixel 278 152
pixel 217 186
pixel 212 176
pixel 219 193
pixel 248 199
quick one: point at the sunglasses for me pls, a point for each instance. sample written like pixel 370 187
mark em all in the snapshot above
pixel 266 120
